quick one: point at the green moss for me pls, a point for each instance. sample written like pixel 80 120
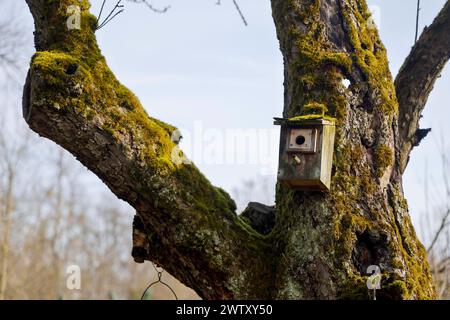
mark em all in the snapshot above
pixel 415 284
pixel 349 217
pixel 370 55
pixel 311 117
pixel 384 158
pixel 321 69
pixel 355 288
pixel 54 60
pixel 413 259
pixel 357 202
pixel 316 70
pixel 311 111
pixel 77 79
pixel 322 73
pixel 93 92
pixel 167 127
pixel 316 108
pixel 397 288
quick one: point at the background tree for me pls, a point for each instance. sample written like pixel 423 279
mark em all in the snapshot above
pixel 52 209
pixel 321 244
pixel 53 217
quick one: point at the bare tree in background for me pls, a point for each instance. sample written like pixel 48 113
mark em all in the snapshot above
pixel 47 220
pixel 436 223
pixel 12 151
pixel 119 8
pixel 12 39
pixel 52 218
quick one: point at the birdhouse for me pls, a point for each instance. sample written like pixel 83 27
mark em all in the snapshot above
pixel 306 153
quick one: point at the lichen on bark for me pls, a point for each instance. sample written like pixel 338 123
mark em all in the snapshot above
pixel 363 221
pixel 321 244
pixel 72 97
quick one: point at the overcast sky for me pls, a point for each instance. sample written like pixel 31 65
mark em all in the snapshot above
pixel 199 68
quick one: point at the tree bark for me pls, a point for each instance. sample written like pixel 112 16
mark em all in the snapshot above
pixel 72 98
pixel 322 244
pixel 416 80
pixel 330 240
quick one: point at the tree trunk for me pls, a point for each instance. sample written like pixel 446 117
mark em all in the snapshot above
pixel 328 241
pixel 7 220
pixel 322 244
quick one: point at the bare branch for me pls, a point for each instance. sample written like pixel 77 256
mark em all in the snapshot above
pixel 238 8
pixel 101 10
pixel 111 15
pixel 151 7
pixel 240 12
pixel 416 80
pixel 192 227
pixel 118 5
pixel 417 21
pixel 442 227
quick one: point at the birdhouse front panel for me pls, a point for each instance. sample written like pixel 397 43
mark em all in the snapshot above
pixel 306 153
pixel 302 140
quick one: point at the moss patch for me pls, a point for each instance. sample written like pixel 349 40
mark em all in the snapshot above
pixel 384 158
pixel 370 55
pixel 76 78
pixel 317 71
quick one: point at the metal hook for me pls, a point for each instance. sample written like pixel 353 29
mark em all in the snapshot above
pixel 159 271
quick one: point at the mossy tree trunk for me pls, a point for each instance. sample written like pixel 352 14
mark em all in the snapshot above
pixel 322 244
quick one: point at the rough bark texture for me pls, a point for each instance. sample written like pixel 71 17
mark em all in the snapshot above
pixel 72 97
pixel 329 240
pixel 417 77
pixel 321 244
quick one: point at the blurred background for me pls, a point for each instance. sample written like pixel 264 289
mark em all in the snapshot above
pixel 198 67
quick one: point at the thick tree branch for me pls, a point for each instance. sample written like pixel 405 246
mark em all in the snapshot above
pixel 72 98
pixel 417 77
pixel 321 244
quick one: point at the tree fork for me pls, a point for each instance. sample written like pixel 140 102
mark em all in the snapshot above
pixel 322 244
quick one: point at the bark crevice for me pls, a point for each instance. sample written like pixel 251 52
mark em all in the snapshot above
pixel 319 244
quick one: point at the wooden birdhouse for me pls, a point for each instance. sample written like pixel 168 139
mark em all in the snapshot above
pixel 306 153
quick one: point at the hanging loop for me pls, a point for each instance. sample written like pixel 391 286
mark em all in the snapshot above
pixel 159 272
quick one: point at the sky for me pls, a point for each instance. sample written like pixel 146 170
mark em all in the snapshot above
pixel 199 68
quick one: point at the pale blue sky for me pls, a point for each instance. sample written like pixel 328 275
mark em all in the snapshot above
pixel 198 65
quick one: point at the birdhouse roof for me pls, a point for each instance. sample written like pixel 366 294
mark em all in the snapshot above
pixel 308 120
